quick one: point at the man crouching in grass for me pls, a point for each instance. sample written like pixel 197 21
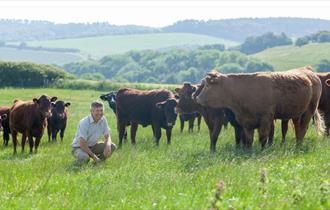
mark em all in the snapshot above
pixel 90 129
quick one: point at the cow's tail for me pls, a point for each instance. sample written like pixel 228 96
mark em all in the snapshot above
pixel 319 123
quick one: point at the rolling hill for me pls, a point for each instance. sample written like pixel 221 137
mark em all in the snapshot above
pixel 104 45
pixel 288 57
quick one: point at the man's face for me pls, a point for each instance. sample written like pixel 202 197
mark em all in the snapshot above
pixel 97 113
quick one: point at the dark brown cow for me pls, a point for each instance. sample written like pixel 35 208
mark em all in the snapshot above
pixel 154 107
pixel 30 119
pixel 257 99
pixel 214 118
pixel 190 117
pixel 57 122
pixel 4 113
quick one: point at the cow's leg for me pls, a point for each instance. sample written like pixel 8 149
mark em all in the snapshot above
pixel 238 135
pixel 271 133
pixel 181 123
pixel 14 137
pixel 49 132
pixel 191 124
pixel 304 121
pixel 54 134
pixel 134 127
pixel 157 132
pixel 296 123
pixel 215 134
pixel 248 133
pixel 121 126
pixel 24 135
pixel 30 138
pixel 168 135
pixel 62 134
pixel 37 144
pixel 264 132
pixel 5 137
pixel 284 126
pixel 199 119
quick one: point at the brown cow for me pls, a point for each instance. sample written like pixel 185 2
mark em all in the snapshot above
pixel 190 117
pixel 324 104
pixel 57 122
pixel 4 113
pixel 259 98
pixel 154 107
pixel 214 118
pixel 30 119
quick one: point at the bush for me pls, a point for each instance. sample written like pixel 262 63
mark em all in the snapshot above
pixel 302 41
pixel 323 66
pixel 15 74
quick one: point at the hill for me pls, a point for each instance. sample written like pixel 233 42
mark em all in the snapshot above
pixel 105 45
pixel 288 57
pixel 44 57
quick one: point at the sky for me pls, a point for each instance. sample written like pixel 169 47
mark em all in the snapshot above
pixel 158 13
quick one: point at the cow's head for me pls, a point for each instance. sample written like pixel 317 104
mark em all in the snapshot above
pixel 44 104
pixel 60 108
pixel 111 98
pixel 211 92
pixel 169 109
pixel 2 118
pixel 186 104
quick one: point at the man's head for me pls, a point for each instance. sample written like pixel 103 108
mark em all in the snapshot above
pixel 97 110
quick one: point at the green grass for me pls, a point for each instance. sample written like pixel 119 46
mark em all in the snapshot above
pixel 103 45
pixel 180 176
pixel 289 57
pixel 10 54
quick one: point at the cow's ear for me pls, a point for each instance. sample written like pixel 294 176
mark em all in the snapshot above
pixel 177 90
pixel 53 99
pixel 4 116
pixel 160 105
pixel 327 82
pixel 35 100
pixel 67 104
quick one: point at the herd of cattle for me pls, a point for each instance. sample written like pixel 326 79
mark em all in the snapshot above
pixel 246 101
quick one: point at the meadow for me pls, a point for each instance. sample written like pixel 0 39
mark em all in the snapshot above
pixel 183 175
pixel 289 57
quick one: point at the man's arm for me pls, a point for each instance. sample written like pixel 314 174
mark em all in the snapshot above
pixel 84 146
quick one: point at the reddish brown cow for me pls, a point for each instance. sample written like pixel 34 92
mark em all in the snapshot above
pixel 4 113
pixel 154 107
pixel 257 99
pixel 30 119
pixel 214 118
pixel 57 122
pixel 190 117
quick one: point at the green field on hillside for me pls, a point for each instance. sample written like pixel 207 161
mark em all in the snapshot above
pixel 11 54
pixel 182 175
pixel 103 45
pixel 288 57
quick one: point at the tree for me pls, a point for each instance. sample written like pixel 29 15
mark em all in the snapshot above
pixel 230 68
pixel 323 66
pixel 301 41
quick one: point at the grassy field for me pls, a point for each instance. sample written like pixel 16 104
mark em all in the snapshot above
pixel 183 175
pixel 104 45
pixel 10 54
pixel 289 57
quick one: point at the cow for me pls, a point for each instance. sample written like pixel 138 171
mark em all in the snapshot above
pixel 257 99
pixel 5 113
pixel 190 117
pixel 214 118
pixel 153 107
pixel 324 104
pixel 30 119
pixel 111 99
pixel 58 120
